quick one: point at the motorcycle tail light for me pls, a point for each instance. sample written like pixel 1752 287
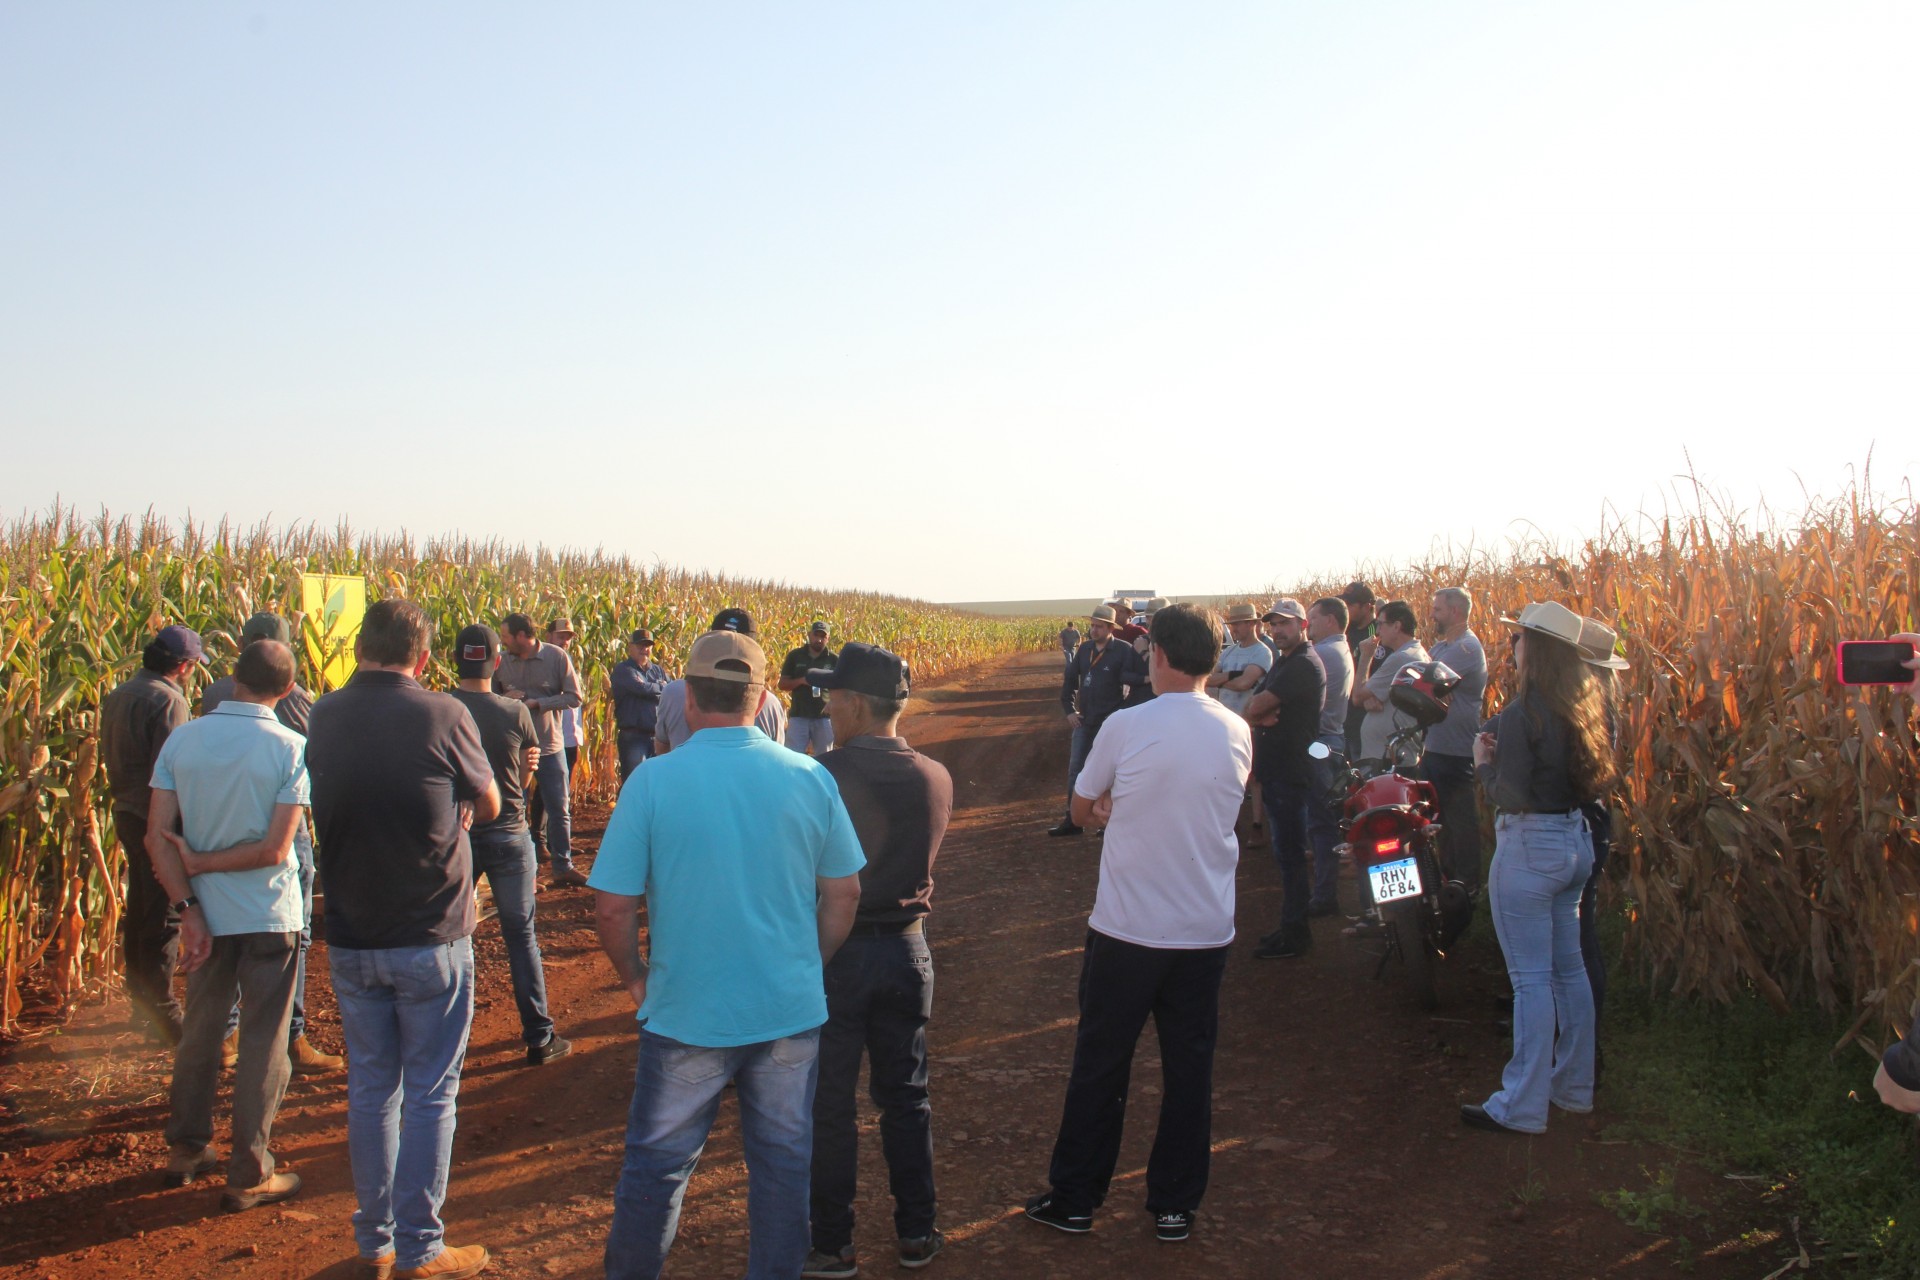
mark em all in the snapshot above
pixel 1386 846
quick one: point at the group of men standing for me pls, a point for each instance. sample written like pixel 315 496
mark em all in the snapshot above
pixel 1164 785
pixel 773 962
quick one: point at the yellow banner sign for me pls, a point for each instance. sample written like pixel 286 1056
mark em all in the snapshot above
pixel 333 608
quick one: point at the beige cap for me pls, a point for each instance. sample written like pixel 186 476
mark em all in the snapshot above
pixel 1596 646
pixel 1102 613
pixel 1287 607
pixel 1242 612
pixel 1549 618
pixel 727 655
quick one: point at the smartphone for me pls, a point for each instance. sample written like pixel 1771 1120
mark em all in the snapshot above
pixel 1876 662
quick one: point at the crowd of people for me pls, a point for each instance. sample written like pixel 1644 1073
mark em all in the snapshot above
pixel 785 856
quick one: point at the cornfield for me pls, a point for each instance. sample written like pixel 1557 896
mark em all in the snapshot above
pixel 1770 812
pixel 79 599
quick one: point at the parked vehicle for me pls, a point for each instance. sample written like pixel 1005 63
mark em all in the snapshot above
pixel 1391 820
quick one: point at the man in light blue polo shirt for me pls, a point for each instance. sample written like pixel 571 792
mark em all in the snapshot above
pixel 750 868
pixel 236 782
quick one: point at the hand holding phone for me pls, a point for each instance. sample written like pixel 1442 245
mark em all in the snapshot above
pixel 1890 662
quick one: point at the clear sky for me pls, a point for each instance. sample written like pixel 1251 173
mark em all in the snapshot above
pixel 961 300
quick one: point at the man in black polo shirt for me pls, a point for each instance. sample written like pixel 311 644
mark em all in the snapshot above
pixel 1285 713
pixel 503 848
pixel 880 982
pixel 398 775
pixel 808 724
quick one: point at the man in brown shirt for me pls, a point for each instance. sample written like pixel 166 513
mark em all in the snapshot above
pixel 135 720
pixel 542 676
pixel 880 982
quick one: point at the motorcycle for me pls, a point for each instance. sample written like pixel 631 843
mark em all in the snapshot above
pixel 1391 821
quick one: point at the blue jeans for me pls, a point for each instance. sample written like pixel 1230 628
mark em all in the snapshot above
pixel 551 781
pixel 676 1091
pixel 1541 862
pixel 636 748
pixel 1287 804
pixel 406 1012
pixel 1076 758
pixel 303 855
pixel 879 996
pixel 1323 831
pixel 815 731
pixel 506 860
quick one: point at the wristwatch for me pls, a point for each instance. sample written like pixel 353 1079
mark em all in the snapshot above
pixel 184 903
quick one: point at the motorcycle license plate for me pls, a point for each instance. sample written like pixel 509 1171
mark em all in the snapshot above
pixel 1392 881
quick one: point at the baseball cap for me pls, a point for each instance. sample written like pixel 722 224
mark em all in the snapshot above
pixel 728 655
pixel 735 619
pixel 1357 592
pixel 868 669
pixel 1286 607
pixel 818 628
pixel 560 624
pixel 475 650
pixel 181 643
pixel 265 626
pixel 640 636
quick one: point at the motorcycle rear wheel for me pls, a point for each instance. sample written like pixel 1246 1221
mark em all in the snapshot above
pixel 1410 940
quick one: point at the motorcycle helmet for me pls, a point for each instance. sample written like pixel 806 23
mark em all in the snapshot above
pixel 1424 690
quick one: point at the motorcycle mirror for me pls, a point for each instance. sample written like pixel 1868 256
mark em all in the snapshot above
pixel 1319 750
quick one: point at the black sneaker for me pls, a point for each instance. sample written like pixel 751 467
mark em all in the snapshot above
pixel 1285 947
pixel 1064 829
pixel 830 1266
pixel 555 1047
pixel 1044 1208
pixel 1172 1227
pixel 918 1251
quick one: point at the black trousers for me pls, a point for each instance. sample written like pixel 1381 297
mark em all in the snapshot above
pixel 879 997
pixel 1452 779
pixel 149 934
pixel 1121 984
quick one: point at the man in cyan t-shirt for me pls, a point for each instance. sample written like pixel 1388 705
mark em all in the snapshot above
pixel 1166 780
pixel 749 865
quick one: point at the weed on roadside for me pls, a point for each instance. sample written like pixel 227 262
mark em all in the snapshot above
pixel 1755 1097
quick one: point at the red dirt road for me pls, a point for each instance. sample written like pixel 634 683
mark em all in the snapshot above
pixel 1338 1152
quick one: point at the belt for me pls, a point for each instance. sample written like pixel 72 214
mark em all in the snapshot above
pixel 888 928
pixel 631 733
pixel 1557 813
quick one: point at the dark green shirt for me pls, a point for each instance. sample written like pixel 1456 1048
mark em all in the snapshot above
pixel 808 703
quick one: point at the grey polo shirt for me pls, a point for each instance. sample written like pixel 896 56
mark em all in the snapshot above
pixel 1381 725
pixel 1337 661
pixel 551 685
pixel 1454 735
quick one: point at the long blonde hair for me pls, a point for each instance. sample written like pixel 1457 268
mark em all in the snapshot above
pixel 1563 686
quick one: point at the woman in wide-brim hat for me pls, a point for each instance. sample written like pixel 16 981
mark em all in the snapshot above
pixel 1597 650
pixel 1546 755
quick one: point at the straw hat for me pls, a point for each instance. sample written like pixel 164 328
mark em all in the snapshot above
pixel 1596 646
pixel 1242 612
pixel 1549 618
pixel 1102 613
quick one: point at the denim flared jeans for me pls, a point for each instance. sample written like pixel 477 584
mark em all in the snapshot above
pixel 1540 866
